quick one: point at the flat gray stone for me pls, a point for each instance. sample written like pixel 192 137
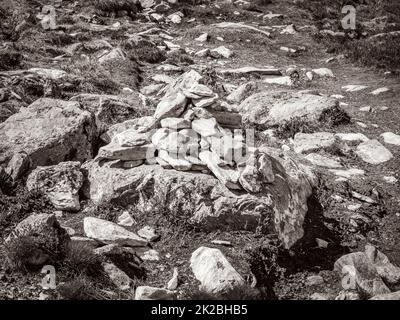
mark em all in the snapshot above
pixel 323 161
pixel 308 142
pixel 109 232
pixel 391 138
pixel 213 270
pixel 373 152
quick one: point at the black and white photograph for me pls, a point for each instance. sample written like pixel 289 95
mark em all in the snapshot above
pixel 201 155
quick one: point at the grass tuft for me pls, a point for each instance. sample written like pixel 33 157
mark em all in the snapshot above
pixel 117 5
pixel 24 255
pixel 9 59
pixel 242 292
pixel 80 288
pixel 289 128
pixel 80 259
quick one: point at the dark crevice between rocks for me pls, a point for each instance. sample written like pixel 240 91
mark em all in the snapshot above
pixel 270 262
pixel 306 254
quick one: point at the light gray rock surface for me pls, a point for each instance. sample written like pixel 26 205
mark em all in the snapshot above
pixel 61 183
pixel 214 271
pixel 204 201
pixel 373 152
pixel 269 109
pixel 109 232
pixel 49 131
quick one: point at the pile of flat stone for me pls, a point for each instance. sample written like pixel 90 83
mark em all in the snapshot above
pixel 192 130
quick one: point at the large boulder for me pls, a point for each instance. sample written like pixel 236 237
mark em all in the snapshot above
pixel 279 205
pixel 61 183
pixel 267 109
pixel 214 271
pixel 49 131
pixel 368 271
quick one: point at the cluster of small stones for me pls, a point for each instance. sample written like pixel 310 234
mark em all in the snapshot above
pixel 191 130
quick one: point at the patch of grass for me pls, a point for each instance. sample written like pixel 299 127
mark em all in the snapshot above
pixel 149 53
pixel 195 2
pixel 8 108
pixel 179 57
pixel 382 52
pixel 92 77
pixel 242 292
pixel 59 38
pixel 107 211
pixel 80 288
pixel 322 9
pixel 335 150
pixel 334 117
pixel 80 259
pixel 289 128
pixel 23 254
pixel 9 59
pixel 144 50
pixel 18 205
pixel 263 2
pixel 391 8
pixel 329 118
pixel 130 6
pixel 126 73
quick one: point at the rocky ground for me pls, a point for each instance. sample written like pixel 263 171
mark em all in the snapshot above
pixel 101 103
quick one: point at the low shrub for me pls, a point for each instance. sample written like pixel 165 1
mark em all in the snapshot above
pixel 24 255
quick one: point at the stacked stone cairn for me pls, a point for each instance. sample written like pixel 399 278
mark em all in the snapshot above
pixel 191 130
